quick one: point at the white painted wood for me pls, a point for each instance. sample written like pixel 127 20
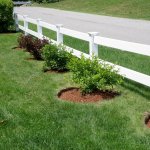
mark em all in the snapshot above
pixel 33 21
pixel 21 27
pixel 124 45
pixel 25 24
pixel 50 40
pixel 16 21
pixel 94 40
pixel 53 41
pixel 76 53
pixel 75 34
pixel 59 35
pixel 32 33
pixel 134 75
pixel 39 29
pixel 130 74
pixel 48 26
pixel 93 48
pixel 20 17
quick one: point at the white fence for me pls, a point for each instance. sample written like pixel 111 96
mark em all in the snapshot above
pixel 93 39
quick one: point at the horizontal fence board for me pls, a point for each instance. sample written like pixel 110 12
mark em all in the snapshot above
pixel 135 76
pixel 131 74
pixel 124 45
pixel 45 37
pixel 29 31
pixel 20 17
pixel 21 27
pixel 76 53
pixel 30 20
pixel 48 26
pixel 75 34
pixel 32 33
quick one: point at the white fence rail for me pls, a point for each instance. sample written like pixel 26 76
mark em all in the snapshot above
pixel 93 39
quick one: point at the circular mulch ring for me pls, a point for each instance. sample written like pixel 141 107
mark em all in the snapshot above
pixel 147 119
pixel 74 94
pixel 148 124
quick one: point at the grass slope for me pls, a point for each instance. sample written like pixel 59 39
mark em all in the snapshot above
pixel 32 117
pixel 139 9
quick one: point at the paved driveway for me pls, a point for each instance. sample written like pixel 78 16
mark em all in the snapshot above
pixel 112 27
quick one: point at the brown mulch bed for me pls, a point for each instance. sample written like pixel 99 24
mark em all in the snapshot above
pixel 147 119
pixel 74 94
pixel 148 124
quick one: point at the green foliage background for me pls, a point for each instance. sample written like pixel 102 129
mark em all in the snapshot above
pixel 6 15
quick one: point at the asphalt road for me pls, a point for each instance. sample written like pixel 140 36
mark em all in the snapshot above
pixel 118 28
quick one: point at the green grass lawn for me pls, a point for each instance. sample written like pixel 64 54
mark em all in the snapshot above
pixel 139 9
pixel 32 117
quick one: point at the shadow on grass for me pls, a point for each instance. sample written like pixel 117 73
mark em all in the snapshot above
pixel 9 32
pixel 137 88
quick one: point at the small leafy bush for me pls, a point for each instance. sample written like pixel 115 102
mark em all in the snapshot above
pixel 32 45
pixel 92 75
pixel 56 58
pixel 36 48
pixel 6 15
pixel 25 41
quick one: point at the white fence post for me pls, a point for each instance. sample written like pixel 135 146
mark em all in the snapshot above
pixel 93 48
pixel 16 21
pixel 39 29
pixel 25 24
pixel 59 35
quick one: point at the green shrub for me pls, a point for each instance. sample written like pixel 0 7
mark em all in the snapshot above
pixel 25 41
pixel 6 15
pixel 36 48
pixel 56 58
pixel 92 75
